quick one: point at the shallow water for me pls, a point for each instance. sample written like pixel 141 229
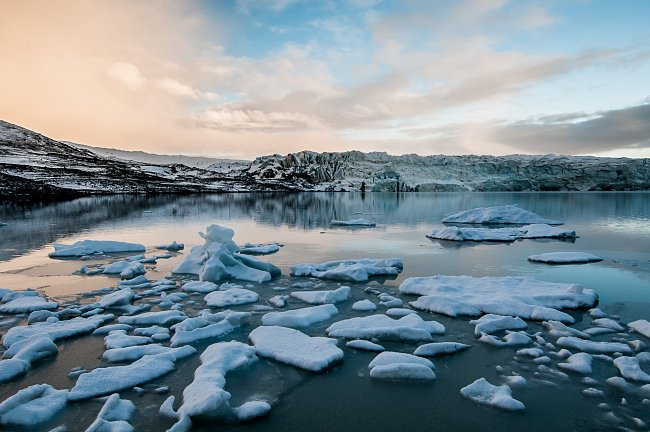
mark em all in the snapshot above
pixel 614 226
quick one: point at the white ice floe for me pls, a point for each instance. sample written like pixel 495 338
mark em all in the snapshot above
pixel 491 323
pixel 300 318
pixel 565 258
pixel 259 249
pixel 323 297
pixel 279 301
pixel 11 369
pixel 205 397
pixel 102 331
pixel 608 323
pixel 173 246
pixel 530 352
pixel 557 329
pixel 484 393
pixel 399 312
pixel 27 304
pixel 119 339
pixel 55 329
pixel 137 282
pixel 126 269
pixel 579 362
pixel 32 349
pixel 630 369
pixel 208 325
pixel 575 343
pixel 390 301
pixel 251 409
pixel 295 348
pixel 32 406
pixel 353 222
pixel 7 295
pixel 104 381
pixel 410 328
pixel 150 331
pixel 434 349
pixel 200 286
pixel 133 353
pixel 365 345
pixel 510 339
pixel 153 318
pixel 120 297
pixel 114 416
pixel 534 231
pixel 396 365
pixel 231 297
pixel 626 387
pixel 640 326
pixel 514 381
pixel 219 259
pixel 350 270
pixel 90 247
pixel 508 214
pixel 515 296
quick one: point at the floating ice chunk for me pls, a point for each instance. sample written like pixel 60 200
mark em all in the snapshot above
pixel 350 270
pixel 492 323
pixel 564 258
pixel 7 295
pixel 608 323
pixel 126 269
pixel 200 286
pixel 410 328
pixel 514 381
pixel 54 329
pixel 511 339
pixel 218 259
pixel 295 348
pixel 133 353
pixel 508 214
pixel 90 247
pixel 365 345
pixel 251 410
pixel 119 339
pixel 597 313
pixel 259 249
pixel 543 370
pixel 173 246
pixel 557 329
pixel 207 325
pixel 530 352
pixel 640 326
pixel 118 298
pixel 394 365
pixel 440 348
pixel 109 328
pixel 299 318
pixel 279 300
pixel 399 312
pixel 630 369
pixel 571 342
pixel 579 362
pixel 231 297
pixel 516 296
pixel 114 416
pixel 453 233
pixel 32 406
pixel 27 304
pixel 353 222
pixel 103 381
pixel 150 331
pixel 391 357
pixel 592 392
pixel 85 270
pixel 153 318
pixel 626 387
pixel 484 393
pixel 32 349
pixel 536 231
pixel 138 281
pixel 389 301
pixel 12 368
pixel 40 316
pixel 323 297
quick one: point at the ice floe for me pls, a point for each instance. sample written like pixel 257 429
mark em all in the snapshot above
pixel 119 339
pixel 491 323
pixel 219 259
pixel 434 349
pixel 300 318
pixel 571 342
pixel 515 296
pixel 365 345
pixel 91 247
pixel 207 325
pixel 279 301
pixel 396 365
pixel 564 258
pixel 630 369
pixel 231 297
pixel 354 222
pixel 410 328
pixel 200 286
pixel 350 270
pixel 640 326
pixel 120 297
pixel 579 362
pixel 533 231
pixel 55 329
pixel 508 214
pixel 32 406
pixel 27 304
pixel 125 269
pixel 104 381
pixel 136 352
pixel 173 246
pixel 510 339
pixel 399 312
pixel 153 318
pixel 323 297
pixel 484 393
pixel 608 323
pixel 259 249
pixel 295 348
pixel 251 409
pixel 114 416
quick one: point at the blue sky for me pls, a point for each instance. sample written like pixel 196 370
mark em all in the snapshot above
pixel 240 78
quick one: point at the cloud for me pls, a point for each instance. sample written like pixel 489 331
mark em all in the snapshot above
pixel 126 73
pixel 226 118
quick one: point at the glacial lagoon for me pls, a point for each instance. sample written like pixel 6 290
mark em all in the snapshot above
pixel 612 226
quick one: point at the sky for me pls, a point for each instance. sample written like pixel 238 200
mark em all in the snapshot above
pixel 243 78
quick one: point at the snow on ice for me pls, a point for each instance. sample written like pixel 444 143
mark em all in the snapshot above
pixel 350 270
pixel 300 318
pixel 565 258
pixel 91 247
pixel 484 393
pixel 508 214
pixel 410 328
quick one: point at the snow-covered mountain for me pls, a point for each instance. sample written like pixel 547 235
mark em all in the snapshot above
pixel 32 164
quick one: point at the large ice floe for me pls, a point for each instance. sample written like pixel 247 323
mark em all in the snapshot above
pixel 54 329
pixel 295 348
pixel 484 393
pixel 91 247
pixel 640 326
pixel 231 297
pixel 354 223
pixel 205 397
pixel 350 270
pixel 219 259
pixel 32 406
pixel 114 416
pixel 434 349
pixel 26 304
pixel 514 296
pixel 207 325
pixel 410 328
pixel 259 249
pixel 323 297
pixel 565 258
pixel 396 365
pixel 508 214
pixel 534 231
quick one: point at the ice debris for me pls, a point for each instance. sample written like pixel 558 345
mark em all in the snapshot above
pixel 565 258
pixel 396 365
pixel 323 297
pixel 350 270
pixel 32 406
pixel 434 349
pixel 410 328
pixel 484 393
pixel 114 416
pixel 300 318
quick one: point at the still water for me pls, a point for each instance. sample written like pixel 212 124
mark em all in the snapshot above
pixel 614 226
